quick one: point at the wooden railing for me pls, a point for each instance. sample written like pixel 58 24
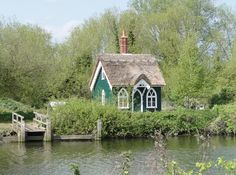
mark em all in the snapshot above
pixel 41 120
pixel 18 122
pixel 18 125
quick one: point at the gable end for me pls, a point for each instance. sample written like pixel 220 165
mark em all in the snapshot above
pixel 96 74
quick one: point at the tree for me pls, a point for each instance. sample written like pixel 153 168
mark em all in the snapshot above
pixel 226 82
pixel 27 63
pixel 192 41
pixel 168 24
pixel 188 75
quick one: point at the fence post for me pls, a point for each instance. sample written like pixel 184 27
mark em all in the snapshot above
pixel 48 131
pixel 22 131
pixel 99 130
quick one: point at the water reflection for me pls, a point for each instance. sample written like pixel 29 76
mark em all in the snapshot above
pixel 103 158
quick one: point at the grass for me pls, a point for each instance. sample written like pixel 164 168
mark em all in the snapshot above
pixel 5 126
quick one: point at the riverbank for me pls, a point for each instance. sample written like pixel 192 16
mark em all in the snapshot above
pixel 79 117
pixel 56 138
pixel 7 136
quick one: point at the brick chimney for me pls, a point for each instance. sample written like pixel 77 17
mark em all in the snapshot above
pixel 123 43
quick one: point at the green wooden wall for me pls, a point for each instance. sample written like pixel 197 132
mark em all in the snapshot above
pixel 103 84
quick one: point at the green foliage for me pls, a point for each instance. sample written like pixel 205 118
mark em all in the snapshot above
pixel 126 163
pixel 227 81
pixel 188 81
pixel 26 63
pixel 76 84
pixel 220 166
pixel 190 44
pixel 174 169
pixel 192 41
pixel 7 106
pixel 225 96
pixel 74 117
pixel 11 105
pixel 80 117
pixel 75 169
pixel 225 123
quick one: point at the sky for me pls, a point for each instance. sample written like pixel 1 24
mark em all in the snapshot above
pixel 59 17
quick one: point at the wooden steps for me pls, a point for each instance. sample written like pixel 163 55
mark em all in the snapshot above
pixel 39 130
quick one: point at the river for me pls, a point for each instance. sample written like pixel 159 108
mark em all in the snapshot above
pixel 104 158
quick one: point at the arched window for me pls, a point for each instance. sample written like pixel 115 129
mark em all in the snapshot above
pixel 123 99
pixel 103 97
pixel 151 98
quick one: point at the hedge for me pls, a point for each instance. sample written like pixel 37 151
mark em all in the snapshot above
pixel 79 116
pixel 7 106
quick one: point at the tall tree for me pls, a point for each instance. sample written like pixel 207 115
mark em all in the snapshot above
pixel 188 75
pixel 168 24
pixel 26 63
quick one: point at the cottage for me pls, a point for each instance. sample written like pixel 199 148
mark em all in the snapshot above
pixel 133 81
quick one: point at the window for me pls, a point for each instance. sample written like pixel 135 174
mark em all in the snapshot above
pixel 103 75
pixel 151 101
pixel 123 100
pixel 103 97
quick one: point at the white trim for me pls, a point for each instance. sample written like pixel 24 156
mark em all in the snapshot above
pixel 99 67
pixel 103 97
pixel 127 95
pixel 151 107
pixel 141 95
pixel 142 83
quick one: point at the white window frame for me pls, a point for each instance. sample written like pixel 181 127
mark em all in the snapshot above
pixel 103 97
pixel 126 97
pixel 102 74
pixel 151 97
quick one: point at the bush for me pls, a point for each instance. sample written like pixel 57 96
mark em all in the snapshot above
pixel 220 166
pixel 225 96
pixel 7 106
pixel 80 117
pixel 225 123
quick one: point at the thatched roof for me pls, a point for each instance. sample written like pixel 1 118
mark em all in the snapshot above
pixel 128 69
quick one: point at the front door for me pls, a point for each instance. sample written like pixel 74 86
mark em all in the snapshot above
pixel 138 95
pixel 137 101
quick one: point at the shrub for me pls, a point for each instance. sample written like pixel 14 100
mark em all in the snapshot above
pixel 7 106
pixel 225 96
pixel 80 117
pixel 220 166
pixel 225 123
